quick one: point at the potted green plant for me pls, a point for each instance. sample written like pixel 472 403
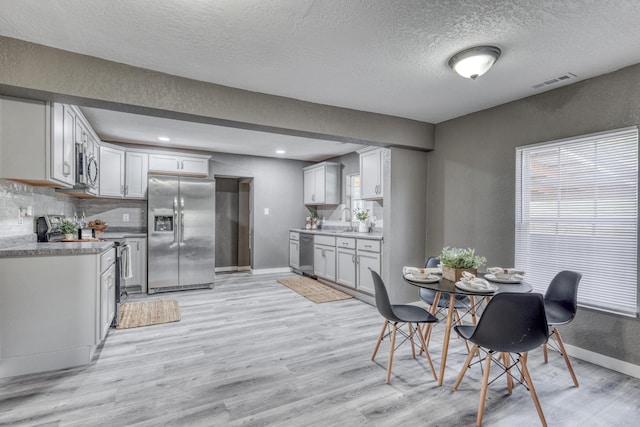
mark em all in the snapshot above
pixel 456 260
pixel 362 215
pixel 314 219
pixel 69 229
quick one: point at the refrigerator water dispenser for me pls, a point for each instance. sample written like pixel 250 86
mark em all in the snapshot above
pixel 163 223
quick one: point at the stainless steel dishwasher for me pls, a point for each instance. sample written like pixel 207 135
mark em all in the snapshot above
pixel 306 254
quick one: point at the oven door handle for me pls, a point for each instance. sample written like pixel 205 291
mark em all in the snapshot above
pixel 126 267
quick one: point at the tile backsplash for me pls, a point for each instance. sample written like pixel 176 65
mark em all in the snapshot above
pixel 43 200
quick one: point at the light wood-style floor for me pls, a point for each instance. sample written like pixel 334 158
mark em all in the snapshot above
pixel 252 352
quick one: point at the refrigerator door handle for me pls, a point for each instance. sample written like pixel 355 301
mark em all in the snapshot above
pixel 181 219
pixel 175 220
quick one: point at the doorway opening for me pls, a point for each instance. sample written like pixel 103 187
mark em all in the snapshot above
pixel 234 224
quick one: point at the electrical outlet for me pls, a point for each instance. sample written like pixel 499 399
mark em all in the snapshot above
pixel 266 211
pixel 125 217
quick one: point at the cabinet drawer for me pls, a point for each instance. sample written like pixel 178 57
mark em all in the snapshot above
pixel 293 235
pixel 343 242
pixel 368 245
pixel 325 240
pixel 107 258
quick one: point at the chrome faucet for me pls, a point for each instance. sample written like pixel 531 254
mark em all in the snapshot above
pixel 349 218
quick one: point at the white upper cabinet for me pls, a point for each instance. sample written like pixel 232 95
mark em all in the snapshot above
pixel 372 172
pixel 36 143
pixel 112 172
pixel 63 148
pixel 137 165
pixel 179 165
pixel 322 184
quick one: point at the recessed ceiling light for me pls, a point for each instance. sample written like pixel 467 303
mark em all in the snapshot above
pixel 280 151
pixel 164 138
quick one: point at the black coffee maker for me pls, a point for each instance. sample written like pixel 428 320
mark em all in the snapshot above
pixel 48 228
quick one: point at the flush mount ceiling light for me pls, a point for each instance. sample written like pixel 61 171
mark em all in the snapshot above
pixel 164 139
pixel 475 61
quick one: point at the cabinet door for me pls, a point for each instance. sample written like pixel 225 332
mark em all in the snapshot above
pixel 194 166
pixel 365 261
pixel 164 163
pixel 294 254
pixel 63 145
pixel 112 172
pixel 346 267
pixel 137 166
pixel 320 186
pixel 324 262
pixel 371 174
pixel 309 187
pixel 138 248
pixel 107 299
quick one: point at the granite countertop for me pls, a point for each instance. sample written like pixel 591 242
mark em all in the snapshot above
pixel 55 249
pixel 374 235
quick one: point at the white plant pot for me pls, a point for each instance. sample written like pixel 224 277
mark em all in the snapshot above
pixel 69 236
pixel 363 227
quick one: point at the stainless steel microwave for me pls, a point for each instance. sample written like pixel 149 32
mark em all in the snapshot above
pixel 86 168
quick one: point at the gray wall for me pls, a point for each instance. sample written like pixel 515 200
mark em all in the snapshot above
pixel 471 182
pixel 405 195
pixel 277 185
pixel 34 71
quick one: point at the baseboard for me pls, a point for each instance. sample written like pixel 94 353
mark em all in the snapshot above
pixel 272 270
pixel 226 269
pixel 244 268
pixel 604 361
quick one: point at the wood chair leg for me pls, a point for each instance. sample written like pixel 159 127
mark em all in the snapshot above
pixel 465 367
pixel 428 356
pixel 506 362
pixel 566 358
pixel 532 390
pixel 413 347
pixel 483 391
pixel 393 345
pixel 375 350
pixel 545 352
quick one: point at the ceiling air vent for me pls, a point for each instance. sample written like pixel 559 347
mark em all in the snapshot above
pixel 561 79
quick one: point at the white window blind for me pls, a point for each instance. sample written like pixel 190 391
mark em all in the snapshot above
pixel 577 209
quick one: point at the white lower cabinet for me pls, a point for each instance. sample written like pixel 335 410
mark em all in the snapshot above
pixel 346 262
pixel 368 256
pixel 352 258
pixel 70 302
pixel 324 257
pixel 294 250
pixel 138 281
pixel 107 299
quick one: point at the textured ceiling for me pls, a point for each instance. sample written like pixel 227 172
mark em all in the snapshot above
pixel 387 57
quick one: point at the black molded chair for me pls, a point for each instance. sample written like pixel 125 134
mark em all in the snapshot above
pixel 511 323
pixel 462 302
pixel 395 316
pixel 561 304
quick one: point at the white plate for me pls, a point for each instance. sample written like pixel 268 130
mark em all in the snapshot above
pixel 430 279
pixel 516 279
pixel 469 287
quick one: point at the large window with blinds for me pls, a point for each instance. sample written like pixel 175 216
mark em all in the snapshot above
pixel 577 209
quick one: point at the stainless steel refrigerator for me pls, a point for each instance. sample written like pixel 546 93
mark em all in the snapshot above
pixel 181 233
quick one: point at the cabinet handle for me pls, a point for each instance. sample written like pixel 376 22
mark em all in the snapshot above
pixel 358 259
pixel 138 246
pixel 126 189
pixel 181 164
pixel 121 189
pixel 367 246
pixel 353 258
pixel 66 169
pixel 177 164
